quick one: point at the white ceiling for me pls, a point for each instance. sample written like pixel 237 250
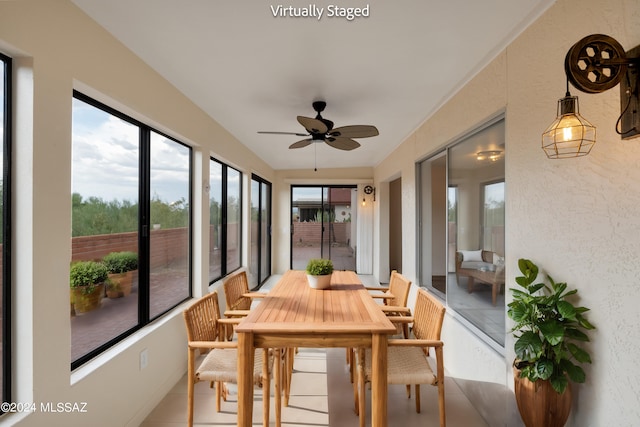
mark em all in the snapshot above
pixel 251 71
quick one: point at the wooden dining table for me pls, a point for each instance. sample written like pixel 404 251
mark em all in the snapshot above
pixel 296 315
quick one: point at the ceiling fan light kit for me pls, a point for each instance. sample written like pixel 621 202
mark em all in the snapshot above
pixel 320 129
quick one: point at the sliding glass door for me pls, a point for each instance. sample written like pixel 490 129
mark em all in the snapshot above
pixel 462 227
pixel 323 225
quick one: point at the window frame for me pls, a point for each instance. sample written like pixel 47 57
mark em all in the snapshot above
pixel 6 229
pixel 224 193
pixel 144 226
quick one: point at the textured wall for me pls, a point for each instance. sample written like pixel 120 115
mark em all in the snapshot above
pixel 577 218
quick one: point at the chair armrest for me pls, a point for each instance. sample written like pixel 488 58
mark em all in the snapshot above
pixel 385 296
pixel 376 288
pixel 236 313
pixel 400 319
pixel 230 321
pixel 402 311
pixel 212 344
pixel 254 295
pixel 415 343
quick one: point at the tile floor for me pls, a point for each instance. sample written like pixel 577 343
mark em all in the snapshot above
pixel 315 372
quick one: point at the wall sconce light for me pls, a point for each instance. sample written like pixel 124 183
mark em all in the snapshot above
pixel 594 64
pixel 492 155
pixel 368 190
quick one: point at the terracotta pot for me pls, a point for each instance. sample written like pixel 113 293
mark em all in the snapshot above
pixel 83 302
pixel 539 404
pixel 319 282
pixel 120 284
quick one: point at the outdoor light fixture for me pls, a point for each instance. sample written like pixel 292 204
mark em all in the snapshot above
pixel 594 64
pixel 570 134
pixel 492 155
pixel 368 190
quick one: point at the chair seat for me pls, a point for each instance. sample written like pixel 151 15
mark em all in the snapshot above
pixel 221 365
pixel 406 365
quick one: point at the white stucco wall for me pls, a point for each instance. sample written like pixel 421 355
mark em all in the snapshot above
pixel 577 218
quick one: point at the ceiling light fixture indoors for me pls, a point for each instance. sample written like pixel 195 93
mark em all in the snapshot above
pixel 491 155
pixel 594 64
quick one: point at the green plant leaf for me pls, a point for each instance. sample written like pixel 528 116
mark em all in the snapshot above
pixel 584 322
pixel 559 383
pixel 575 372
pixel 518 311
pixel 552 331
pixel 528 268
pixel 528 346
pixel 566 310
pixel 535 288
pixel 544 368
pixel 575 334
pixel 578 353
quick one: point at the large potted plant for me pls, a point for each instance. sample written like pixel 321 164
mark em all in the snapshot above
pixel 86 279
pixel 547 329
pixel 319 273
pixel 121 266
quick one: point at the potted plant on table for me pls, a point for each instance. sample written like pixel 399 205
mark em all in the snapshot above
pixel 547 327
pixel 121 266
pixel 86 279
pixel 319 273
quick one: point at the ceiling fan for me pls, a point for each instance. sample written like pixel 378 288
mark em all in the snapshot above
pixel 321 129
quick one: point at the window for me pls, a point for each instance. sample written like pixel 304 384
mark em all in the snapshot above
pixel 461 211
pixel 131 193
pixel 225 213
pixel 493 217
pixel 260 265
pixel 5 228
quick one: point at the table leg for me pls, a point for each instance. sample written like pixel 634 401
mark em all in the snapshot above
pixel 378 380
pixel 494 292
pixel 245 379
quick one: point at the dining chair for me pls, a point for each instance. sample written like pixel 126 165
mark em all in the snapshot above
pixel 395 305
pixel 395 294
pixel 407 359
pixel 239 298
pixel 206 336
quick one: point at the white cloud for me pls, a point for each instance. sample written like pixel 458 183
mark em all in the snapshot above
pixel 106 159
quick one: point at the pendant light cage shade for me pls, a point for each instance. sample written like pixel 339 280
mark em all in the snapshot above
pixel 570 135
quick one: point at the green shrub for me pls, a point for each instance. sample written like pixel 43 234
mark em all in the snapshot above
pixel 121 262
pixel 319 267
pixel 86 273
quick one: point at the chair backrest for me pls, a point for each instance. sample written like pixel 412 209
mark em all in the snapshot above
pixel 428 316
pixel 234 286
pixel 399 287
pixel 201 318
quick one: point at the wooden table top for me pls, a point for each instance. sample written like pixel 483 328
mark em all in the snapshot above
pixel 293 307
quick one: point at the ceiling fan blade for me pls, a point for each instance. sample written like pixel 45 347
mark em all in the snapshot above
pixel 283 133
pixel 312 125
pixel 342 143
pixel 301 144
pixel 355 131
